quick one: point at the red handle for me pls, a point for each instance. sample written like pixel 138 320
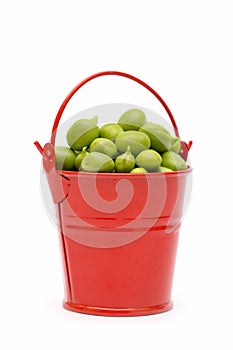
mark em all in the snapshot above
pixel 77 87
pixel 185 147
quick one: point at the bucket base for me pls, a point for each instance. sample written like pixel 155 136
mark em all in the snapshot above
pixel 107 311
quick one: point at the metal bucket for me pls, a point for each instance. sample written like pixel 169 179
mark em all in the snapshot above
pixel 118 232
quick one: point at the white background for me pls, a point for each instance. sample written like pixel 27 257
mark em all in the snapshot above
pixel 183 49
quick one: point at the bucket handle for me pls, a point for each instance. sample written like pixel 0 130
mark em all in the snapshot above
pixel 59 189
pixel 77 87
pixel 184 146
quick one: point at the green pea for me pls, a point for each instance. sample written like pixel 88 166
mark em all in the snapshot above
pixel 132 119
pixel 176 145
pixel 103 145
pixel 138 141
pixel 149 159
pixel 125 162
pixel 138 170
pixel 64 158
pixel 95 162
pixel 159 136
pixel 173 161
pixel 110 131
pixel 79 157
pixel 162 169
pixel 82 133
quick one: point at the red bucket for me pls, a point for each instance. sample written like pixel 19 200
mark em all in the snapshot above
pixel 118 232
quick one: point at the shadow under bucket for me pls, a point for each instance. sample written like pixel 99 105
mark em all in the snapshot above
pixel 118 233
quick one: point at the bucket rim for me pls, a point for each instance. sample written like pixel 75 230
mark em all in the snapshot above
pixel 73 173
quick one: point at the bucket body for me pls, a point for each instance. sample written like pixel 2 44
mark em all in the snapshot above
pixel 118 232
pixel 120 262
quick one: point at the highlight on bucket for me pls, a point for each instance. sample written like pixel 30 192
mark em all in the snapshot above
pixel 117 191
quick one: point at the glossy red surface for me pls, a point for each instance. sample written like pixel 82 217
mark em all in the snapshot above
pixel 121 264
pixel 135 279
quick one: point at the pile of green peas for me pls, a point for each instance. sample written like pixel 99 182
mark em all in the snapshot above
pixel 131 145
